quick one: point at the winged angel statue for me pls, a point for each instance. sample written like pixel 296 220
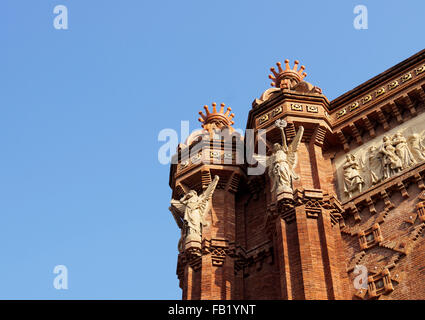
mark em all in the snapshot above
pixel 190 213
pixel 281 164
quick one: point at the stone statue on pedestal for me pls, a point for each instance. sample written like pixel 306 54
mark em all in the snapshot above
pixel 190 213
pixel 282 162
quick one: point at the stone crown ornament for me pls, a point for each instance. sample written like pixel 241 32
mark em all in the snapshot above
pixel 288 79
pixel 285 79
pixel 216 119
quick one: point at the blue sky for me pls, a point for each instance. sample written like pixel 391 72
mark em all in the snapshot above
pixel 81 109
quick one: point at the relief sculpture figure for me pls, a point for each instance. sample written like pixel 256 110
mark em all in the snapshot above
pixel 402 150
pixel 380 162
pixel 353 181
pixel 374 165
pixel 417 147
pixel 391 162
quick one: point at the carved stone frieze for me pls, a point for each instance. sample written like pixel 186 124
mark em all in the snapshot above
pixel 381 158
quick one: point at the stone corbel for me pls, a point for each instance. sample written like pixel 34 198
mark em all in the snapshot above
pixel 319 136
pixel 396 111
pixel 371 205
pixel 387 201
pixel 369 126
pixel 382 120
pixel 420 93
pixel 406 100
pixel 343 140
pixel 354 211
pixel 419 181
pixel 402 188
pixel 356 133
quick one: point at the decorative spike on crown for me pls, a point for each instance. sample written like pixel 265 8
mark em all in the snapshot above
pixel 216 120
pixel 284 78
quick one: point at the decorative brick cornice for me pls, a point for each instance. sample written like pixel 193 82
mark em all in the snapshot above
pixel 219 249
pixel 382 92
pixel 314 202
pixel 377 81
pixel 354 121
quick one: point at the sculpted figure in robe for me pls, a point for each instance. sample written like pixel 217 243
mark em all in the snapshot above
pixel 391 162
pixel 353 181
pixel 402 150
pixel 374 165
pixel 417 147
pixel 190 213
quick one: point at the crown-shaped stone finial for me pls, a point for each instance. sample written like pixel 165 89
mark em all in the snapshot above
pixel 216 120
pixel 287 78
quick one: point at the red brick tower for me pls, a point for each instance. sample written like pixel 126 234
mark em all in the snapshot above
pixel 206 266
pixel 302 224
